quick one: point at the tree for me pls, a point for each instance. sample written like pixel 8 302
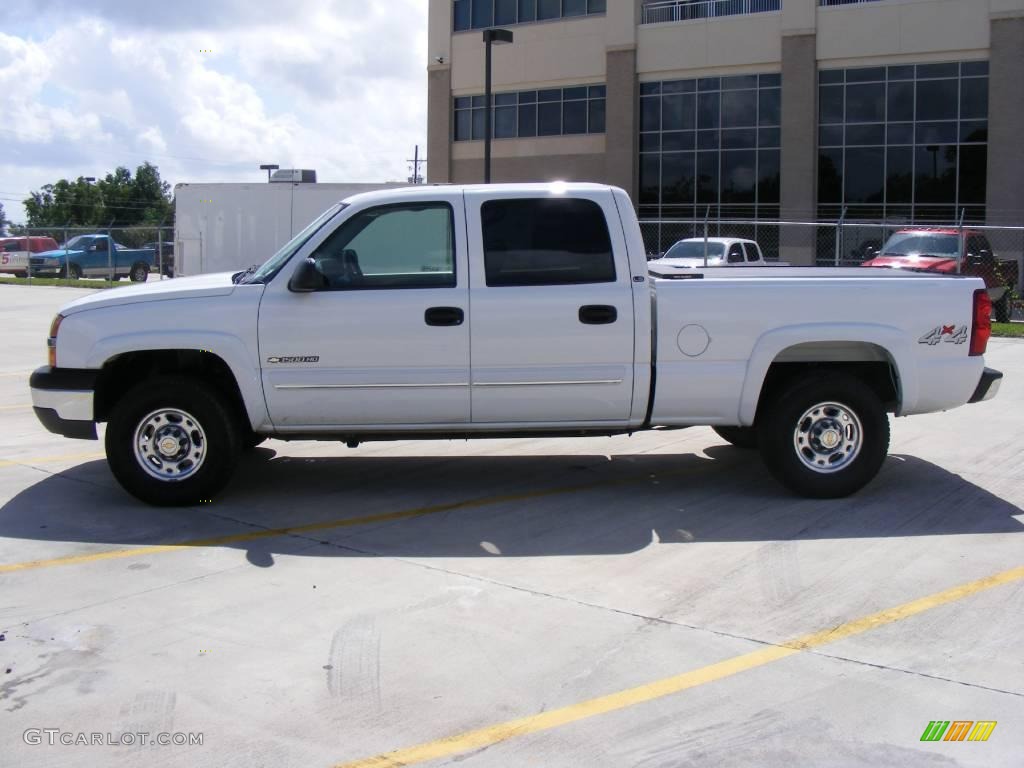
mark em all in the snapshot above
pixel 3 221
pixel 119 199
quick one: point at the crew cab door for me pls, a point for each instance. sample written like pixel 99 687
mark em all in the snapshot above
pixel 385 341
pixel 552 309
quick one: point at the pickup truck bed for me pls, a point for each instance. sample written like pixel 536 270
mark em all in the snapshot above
pixel 506 310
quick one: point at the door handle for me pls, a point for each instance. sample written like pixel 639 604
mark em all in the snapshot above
pixel 444 316
pixel 598 314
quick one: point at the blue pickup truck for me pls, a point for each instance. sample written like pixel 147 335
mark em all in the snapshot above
pixel 94 256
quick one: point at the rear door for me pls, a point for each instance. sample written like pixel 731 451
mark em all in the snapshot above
pixel 552 335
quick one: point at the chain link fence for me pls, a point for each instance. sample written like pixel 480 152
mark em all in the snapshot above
pixel 100 254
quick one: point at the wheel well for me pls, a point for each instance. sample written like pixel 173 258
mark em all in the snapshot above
pixel 121 373
pixel 867 362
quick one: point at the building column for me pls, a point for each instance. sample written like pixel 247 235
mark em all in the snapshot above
pixel 799 147
pixel 621 128
pixel 439 124
pixel 1006 116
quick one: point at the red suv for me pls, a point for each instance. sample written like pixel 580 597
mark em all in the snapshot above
pixel 936 250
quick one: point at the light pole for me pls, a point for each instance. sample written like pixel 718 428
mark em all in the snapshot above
pixel 268 169
pixel 491 36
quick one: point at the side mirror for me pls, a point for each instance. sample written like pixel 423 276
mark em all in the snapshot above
pixel 307 278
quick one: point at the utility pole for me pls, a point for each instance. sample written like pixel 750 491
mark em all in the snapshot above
pixel 416 163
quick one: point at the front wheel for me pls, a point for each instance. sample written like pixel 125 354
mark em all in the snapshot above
pixel 73 272
pixel 172 442
pixel 825 437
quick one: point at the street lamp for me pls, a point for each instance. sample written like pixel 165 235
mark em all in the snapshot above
pixel 268 169
pixel 491 36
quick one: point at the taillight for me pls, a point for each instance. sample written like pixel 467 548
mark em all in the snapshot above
pixel 981 328
pixel 51 343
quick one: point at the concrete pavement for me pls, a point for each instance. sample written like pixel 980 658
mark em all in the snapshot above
pixel 426 590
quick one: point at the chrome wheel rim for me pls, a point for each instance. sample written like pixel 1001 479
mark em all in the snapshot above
pixel 170 445
pixel 828 437
pixel 139 274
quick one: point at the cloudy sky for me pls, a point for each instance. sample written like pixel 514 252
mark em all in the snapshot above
pixel 87 85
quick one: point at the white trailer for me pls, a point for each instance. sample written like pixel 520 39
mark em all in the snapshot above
pixel 228 227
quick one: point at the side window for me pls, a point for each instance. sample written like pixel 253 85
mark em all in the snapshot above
pixel 735 254
pixel 546 241
pixel 984 244
pixel 100 245
pixel 753 252
pixel 409 245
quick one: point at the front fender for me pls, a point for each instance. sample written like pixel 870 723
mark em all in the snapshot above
pixel 770 345
pixel 231 349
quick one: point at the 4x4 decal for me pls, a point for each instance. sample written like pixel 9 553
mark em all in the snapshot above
pixel 950 334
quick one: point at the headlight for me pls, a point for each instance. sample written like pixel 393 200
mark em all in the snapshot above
pixel 51 342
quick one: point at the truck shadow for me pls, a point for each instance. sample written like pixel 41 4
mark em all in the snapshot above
pixel 494 506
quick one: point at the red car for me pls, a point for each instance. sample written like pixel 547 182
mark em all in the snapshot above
pixel 14 252
pixel 936 250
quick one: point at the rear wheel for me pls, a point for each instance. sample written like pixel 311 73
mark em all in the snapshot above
pixel 172 442
pixel 825 437
pixel 741 437
pixel 139 273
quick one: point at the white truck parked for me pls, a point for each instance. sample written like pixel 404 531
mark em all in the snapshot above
pixel 698 252
pixel 511 310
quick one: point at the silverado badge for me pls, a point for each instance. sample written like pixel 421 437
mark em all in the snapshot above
pixel 950 334
pixel 313 359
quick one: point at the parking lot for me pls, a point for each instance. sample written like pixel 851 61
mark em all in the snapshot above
pixel 654 600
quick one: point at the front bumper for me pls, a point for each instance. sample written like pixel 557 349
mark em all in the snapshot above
pixel 988 387
pixel 62 399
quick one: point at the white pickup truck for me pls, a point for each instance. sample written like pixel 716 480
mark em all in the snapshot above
pixel 505 310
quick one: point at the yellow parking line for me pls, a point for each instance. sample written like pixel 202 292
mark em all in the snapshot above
pixel 30 460
pixel 488 736
pixel 26 374
pixel 348 522
pixel 15 407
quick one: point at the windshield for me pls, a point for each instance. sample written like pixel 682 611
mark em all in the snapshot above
pixel 694 249
pixel 78 243
pixel 274 264
pixel 922 244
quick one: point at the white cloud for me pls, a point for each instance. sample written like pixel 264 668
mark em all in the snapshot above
pixel 339 87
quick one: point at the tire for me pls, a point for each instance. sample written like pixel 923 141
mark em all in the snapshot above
pixel 183 410
pixel 252 441
pixel 139 273
pixel 741 437
pixel 839 407
pixel 1003 308
pixel 73 272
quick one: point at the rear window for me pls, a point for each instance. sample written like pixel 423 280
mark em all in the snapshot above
pixel 546 241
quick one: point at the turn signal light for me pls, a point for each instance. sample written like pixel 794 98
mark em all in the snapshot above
pixel 51 343
pixel 981 328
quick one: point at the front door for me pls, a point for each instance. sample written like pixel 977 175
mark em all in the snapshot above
pixel 386 341
pixel 553 333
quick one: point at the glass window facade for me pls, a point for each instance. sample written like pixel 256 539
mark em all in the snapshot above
pixel 526 114
pixel 710 142
pixel 480 14
pixel 903 143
